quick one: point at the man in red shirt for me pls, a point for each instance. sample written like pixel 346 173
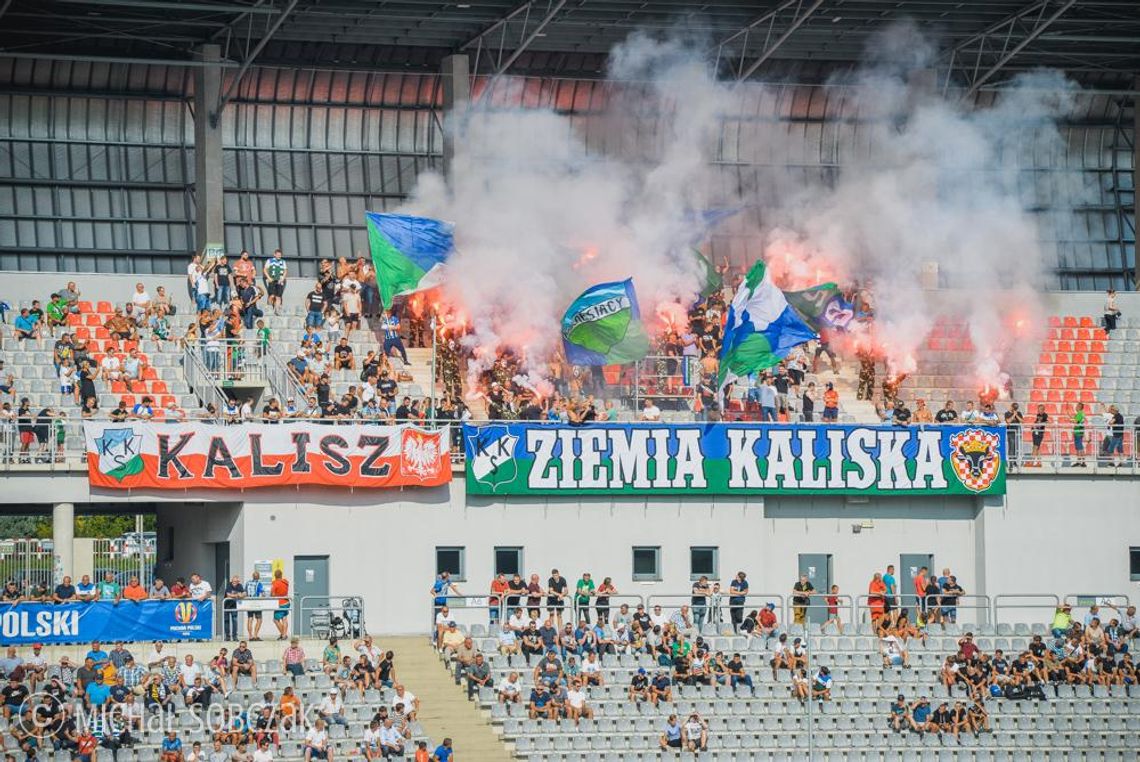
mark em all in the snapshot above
pixel 498 587
pixel 920 590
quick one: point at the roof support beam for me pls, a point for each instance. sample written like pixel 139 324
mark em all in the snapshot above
pixel 216 114
pixel 766 53
pixel 1019 29
pixel 495 26
pixel 165 6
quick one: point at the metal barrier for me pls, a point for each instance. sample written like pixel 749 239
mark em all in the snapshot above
pixel 325 616
pixel 467 611
pixel 615 602
pixel 981 605
pixel 28 561
pixel 1037 601
pixel 131 555
pixel 672 602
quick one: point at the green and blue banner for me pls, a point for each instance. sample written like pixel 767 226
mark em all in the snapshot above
pixel 603 326
pixel 733 459
pixel 106 621
pixel 408 252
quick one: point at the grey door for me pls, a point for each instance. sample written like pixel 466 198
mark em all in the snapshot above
pixel 909 564
pixel 817 567
pixel 221 577
pixel 310 590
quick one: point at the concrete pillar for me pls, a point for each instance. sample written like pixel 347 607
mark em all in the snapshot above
pixel 63 540
pixel 210 222
pixel 456 97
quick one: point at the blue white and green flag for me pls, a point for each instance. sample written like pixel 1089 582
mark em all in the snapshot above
pixel 760 329
pixel 408 252
pixel 603 326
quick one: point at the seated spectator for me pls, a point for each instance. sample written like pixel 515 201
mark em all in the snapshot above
pixel 25 326
pixel 541 703
pixel 576 706
pixel 120 326
pixel 672 736
pixel 293 659
pixel 317 743
pixel 331 708
pixel 133 367
pixel 920 717
pixel 639 687
pixel 510 689
pixel 111 367
pixel 56 313
pixel 343 358
pixel 898 714
pixel 1062 621
pixel 695 734
pixel 143 409
pixel 821 686
pixel 737 674
pixel 140 298
pixel 892 652
pixel 661 688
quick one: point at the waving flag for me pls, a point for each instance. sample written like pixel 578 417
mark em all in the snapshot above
pixel 603 326
pixel 760 328
pixel 407 252
pixel 823 307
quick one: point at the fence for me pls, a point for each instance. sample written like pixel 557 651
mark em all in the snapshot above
pixel 132 555
pixel 672 602
pixel 29 562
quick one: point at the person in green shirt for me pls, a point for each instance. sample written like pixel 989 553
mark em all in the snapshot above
pixel 1062 621
pixel 56 312
pixel 107 589
pixel 585 589
pixel 1079 435
pixel 263 334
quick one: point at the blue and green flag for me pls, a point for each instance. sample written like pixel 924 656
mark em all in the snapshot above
pixel 408 252
pixel 603 326
pixel 823 307
pixel 760 328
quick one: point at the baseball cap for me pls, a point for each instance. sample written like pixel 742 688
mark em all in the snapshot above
pixel 770 605
pixel 641 670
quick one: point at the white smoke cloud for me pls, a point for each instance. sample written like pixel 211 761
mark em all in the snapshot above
pixel 546 204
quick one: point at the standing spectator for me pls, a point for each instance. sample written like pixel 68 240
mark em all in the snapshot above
pixel 556 593
pixel 738 589
pixel 701 592
pixel 390 325
pixel 1078 422
pixel 233 592
pixel 801 599
pixel 584 591
pixel 807 403
pixel 833 611
pixel 254 589
pixel 315 304
pixel 1037 432
pixel 441 588
pixel 830 404
pixel 1111 311
pixel 602 601
pixel 223 281
pixel 1013 421
pixel 279 589
pixel 276 272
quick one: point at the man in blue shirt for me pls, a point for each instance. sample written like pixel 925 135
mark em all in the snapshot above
pixel 390 324
pixel 443 752
pixel 671 734
pixel 738 588
pixel 767 400
pixel 441 588
pixel 85 590
pixel 540 703
pixel 98 692
pixel 100 657
pixel 25 326
pixel 892 590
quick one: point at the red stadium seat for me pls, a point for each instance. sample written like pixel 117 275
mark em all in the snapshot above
pixel 158 387
pixel 1070 396
pixel 1056 382
pixel 1061 358
pixel 94 320
pixel 1088 397
pixel 1095 359
pixel 1077 358
pixel 1054 395
pixel 104 308
pixel 1069 321
pixel 1096 346
pixel 1087 322
pixel 1048 346
pixel 149 374
pixel 1085 334
pixel 1073 383
pixel 1099 334
pixel 1045 358
pixel 1090 383
pixel 119 387
pixel 1054 333
pixel 1076 370
pixel 102 334
pixel 1039 382
pixel 1069 333
pixel 1054 321
pixel 1036 395
pixel 128 400
pixel 74 319
pixel 1092 371
pixel 82 333
pixel 934 345
pixel 1052 410
pixel 167 399
pixel 1080 346
pixel 85 306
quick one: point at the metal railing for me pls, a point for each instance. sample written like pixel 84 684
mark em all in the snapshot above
pixel 325 616
pixel 228 361
pixel 673 601
pixel 1025 602
pixel 280 378
pixel 30 562
pixel 132 555
pixel 203 383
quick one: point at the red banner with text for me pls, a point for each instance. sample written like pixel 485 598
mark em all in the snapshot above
pixel 138 454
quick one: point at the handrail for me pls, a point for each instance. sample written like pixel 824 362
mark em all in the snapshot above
pixel 350 606
pixel 202 382
pixel 1099 599
pixel 281 380
pixel 1039 601
pixel 467 603
pixel 984 604
pixel 616 601
pixel 665 600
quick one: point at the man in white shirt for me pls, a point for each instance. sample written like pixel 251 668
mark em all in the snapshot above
pixel 189 670
pixel 391 740
pixel 110 367
pixel 156 657
pixel 317 743
pixel 263 753
pixel 650 412
pixel 510 691
pixel 592 669
pixel 140 298
pixel 200 589
pixel 658 618
pixel 518 621
pixel 367 648
pixel 408 699
pixel 576 707
pixel 331 709
pixel 508 641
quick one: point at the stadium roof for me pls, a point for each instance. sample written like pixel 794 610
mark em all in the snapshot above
pixel 983 39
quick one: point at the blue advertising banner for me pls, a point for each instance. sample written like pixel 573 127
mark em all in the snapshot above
pixel 733 459
pixel 23 623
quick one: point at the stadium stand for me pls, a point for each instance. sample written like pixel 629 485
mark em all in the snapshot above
pixel 768 722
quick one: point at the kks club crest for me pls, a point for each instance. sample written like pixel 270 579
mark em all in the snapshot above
pixel 976 457
pixel 422 454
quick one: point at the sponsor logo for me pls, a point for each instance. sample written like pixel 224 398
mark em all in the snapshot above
pixel 185 612
pixel 975 456
pixel 120 453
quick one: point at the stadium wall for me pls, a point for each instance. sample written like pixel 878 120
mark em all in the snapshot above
pixel 1059 535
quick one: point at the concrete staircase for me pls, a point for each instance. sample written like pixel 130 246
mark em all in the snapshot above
pixel 445 711
pixel 847 384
